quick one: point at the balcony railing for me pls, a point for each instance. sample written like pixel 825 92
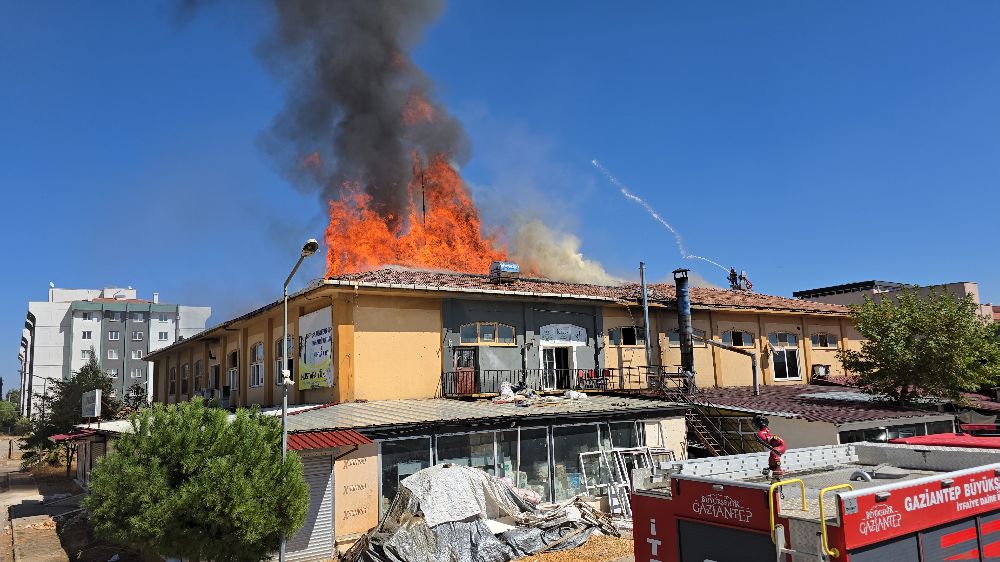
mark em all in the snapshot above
pixel 638 380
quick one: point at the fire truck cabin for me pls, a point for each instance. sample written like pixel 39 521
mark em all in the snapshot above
pixel 859 502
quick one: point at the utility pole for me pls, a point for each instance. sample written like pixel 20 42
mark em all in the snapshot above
pixel 645 313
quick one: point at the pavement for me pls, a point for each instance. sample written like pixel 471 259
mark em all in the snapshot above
pixel 26 514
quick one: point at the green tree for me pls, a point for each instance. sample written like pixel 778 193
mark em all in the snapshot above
pixel 8 414
pixel 916 346
pixel 188 482
pixel 60 410
pixel 14 395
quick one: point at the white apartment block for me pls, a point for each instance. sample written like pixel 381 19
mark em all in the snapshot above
pixel 113 323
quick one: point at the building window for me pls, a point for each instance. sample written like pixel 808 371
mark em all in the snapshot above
pixel 627 335
pixel 136 354
pixel 137 336
pixel 136 373
pixel 737 338
pixel 163 317
pixel 185 378
pixel 487 333
pixel 85 354
pixel 86 316
pixel 113 373
pixel 785 355
pixel 114 335
pixel 163 336
pixel 197 375
pixel 400 458
pixel 115 316
pixel 823 340
pixel 279 354
pixel 172 382
pixel 112 354
pixel 675 338
pixel 257 365
pixel 88 335
pixel 137 317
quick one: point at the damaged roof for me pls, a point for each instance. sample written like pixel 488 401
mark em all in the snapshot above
pixel 810 402
pixel 660 293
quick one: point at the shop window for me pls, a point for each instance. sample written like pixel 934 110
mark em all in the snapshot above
pixel 623 435
pixel 569 442
pixel 627 335
pixel 675 338
pixel 530 470
pixel 470 449
pixel 784 355
pixel 822 340
pixel 399 459
pixel 487 333
pixel 738 338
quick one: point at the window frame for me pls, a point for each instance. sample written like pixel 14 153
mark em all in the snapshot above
pixel 775 346
pixel 198 368
pixel 138 317
pixel 138 336
pixel 279 357
pixel 136 354
pixel 172 381
pixel 112 372
pixel 87 316
pixel 136 373
pixel 113 354
pixel 163 336
pixel 256 365
pixel 87 335
pixel 815 337
pixel 114 335
pixel 495 342
pixel 85 354
pixel 619 339
pixel 743 333
pixel 696 332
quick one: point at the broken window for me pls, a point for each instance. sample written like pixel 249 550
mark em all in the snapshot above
pixel 824 340
pixel 675 338
pixel 627 335
pixel 738 338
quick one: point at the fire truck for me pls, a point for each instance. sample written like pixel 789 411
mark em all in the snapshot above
pixel 859 502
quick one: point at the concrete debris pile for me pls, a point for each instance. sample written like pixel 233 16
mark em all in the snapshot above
pixel 462 514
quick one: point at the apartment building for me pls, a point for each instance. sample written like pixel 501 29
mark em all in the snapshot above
pixel 115 325
pixel 856 293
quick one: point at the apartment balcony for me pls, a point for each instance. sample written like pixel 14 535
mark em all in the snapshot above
pixel 653 380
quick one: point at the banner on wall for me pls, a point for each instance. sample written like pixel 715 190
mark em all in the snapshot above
pixel 316 350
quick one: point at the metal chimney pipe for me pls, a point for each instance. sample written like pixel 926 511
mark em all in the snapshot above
pixel 684 329
pixel 645 313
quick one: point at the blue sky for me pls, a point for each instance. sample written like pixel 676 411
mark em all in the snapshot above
pixel 810 143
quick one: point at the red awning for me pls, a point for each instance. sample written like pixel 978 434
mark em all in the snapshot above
pixel 951 440
pixel 325 439
pixel 83 433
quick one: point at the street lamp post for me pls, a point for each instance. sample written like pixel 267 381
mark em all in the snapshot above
pixel 308 249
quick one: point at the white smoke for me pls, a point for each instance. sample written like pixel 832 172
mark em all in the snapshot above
pixel 555 255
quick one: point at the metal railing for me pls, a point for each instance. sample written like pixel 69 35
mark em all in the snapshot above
pixel 639 380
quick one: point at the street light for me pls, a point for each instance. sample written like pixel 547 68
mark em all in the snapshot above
pixel 308 249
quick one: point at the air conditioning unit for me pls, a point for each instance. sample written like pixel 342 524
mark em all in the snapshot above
pixel 821 371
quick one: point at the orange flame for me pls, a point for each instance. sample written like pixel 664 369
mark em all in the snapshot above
pixel 417 110
pixel 447 235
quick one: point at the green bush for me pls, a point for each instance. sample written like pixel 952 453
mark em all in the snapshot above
pixel 188 483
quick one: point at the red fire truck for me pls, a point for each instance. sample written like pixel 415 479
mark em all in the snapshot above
pixel 860 502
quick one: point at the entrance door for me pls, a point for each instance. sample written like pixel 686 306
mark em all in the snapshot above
pixel 466 365
pixel 557 364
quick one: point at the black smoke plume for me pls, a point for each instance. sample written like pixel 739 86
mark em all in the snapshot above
pixel 350 81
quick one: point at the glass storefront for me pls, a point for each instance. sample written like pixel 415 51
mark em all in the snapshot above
pixel 399 459
pixel 545 460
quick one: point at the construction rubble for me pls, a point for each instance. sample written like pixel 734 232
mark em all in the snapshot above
pixel 462 514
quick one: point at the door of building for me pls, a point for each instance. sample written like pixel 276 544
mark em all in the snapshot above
pixel 557 363
pixel 466 365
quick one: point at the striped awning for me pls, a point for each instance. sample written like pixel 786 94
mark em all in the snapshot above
pixel 325 439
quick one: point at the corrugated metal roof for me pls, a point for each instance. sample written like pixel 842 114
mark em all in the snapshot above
pixel 325 439
pixel 394 413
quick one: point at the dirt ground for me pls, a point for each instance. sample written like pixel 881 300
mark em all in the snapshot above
pixel 597 549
